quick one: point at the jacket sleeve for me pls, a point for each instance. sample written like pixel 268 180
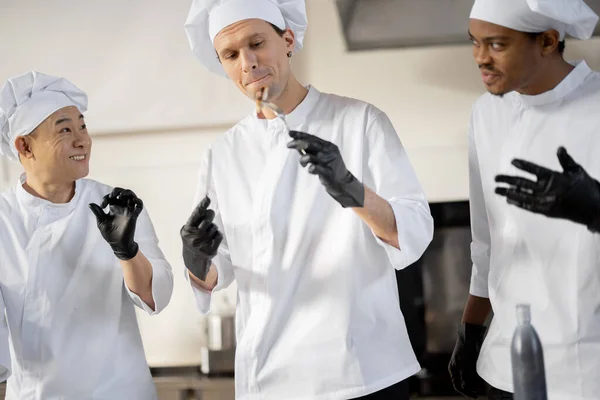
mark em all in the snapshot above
pixel 162 275
pixel 480 230
pixel 5 367
pixel 395 181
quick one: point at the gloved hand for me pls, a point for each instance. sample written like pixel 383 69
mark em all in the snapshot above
pixel 326 162
pixel 571 194
pixel 118 226
pixel 201 239
pixel 463 363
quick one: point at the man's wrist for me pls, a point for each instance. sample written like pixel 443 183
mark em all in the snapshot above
pixel 126 254
pixel 352 193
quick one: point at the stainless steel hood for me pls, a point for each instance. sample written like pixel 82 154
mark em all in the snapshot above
pixel 377 24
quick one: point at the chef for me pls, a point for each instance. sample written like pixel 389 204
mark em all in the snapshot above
pixel 540 115
pixel 70 276
pixel 311 223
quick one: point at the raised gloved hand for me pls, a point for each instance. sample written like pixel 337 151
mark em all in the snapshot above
pixel 326 162
pixel 201 239
pixel 118 225
pixel 571 194
pixel 463 363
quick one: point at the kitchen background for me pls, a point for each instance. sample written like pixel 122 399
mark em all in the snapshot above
pixel 153 111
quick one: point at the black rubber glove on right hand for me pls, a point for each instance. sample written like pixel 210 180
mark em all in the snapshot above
pixel 326 161
pixel 201 239
pixel 463 363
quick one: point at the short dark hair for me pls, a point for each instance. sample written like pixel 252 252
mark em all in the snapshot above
pixel 280 32
pixel 561 44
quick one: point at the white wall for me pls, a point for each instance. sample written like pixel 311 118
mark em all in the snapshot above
pixel 154 110
pixel 132 58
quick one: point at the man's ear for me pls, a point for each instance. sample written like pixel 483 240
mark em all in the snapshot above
pixel 23 145
pixel 549 42
pixel 290 39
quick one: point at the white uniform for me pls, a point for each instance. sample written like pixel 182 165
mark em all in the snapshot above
pixel 519 256
pixel 318 314
pixel 73 330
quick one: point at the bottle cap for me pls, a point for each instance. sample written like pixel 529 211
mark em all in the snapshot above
pixel 523 314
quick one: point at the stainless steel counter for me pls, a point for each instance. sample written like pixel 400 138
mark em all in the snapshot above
pixel 188 384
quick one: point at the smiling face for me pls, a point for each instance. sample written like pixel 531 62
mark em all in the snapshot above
pixel 509 60
pixel 254 56
pixel 58 150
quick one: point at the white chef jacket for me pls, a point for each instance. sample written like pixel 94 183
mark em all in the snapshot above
pixel 522 257
pixel 318 313
pixel 73 329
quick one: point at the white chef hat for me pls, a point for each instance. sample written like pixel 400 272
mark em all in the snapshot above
pixel 208 17
pixel 572 17
pixel 27 100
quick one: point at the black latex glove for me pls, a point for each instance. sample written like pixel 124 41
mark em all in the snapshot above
pixel 463 363
pixel 118 225
pixel 326 162
pixel 201 239
pixel 571 194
